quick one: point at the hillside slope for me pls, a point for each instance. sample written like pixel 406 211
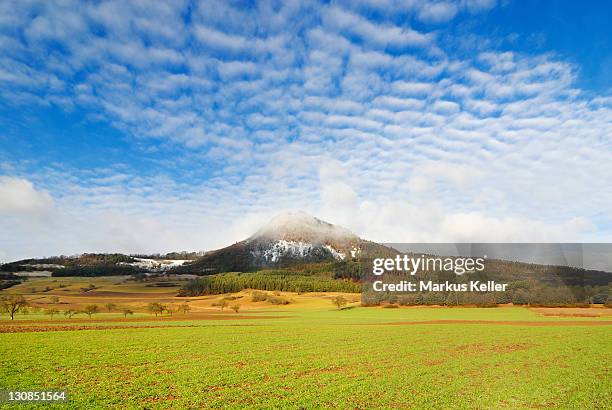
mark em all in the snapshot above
pixel 288 239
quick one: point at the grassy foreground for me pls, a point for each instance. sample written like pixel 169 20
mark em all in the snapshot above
pixel 311 355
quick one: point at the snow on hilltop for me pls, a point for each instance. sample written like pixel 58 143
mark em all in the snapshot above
pixel 298 235
pixel 301 227
pixel 156 265
pixel 287 239
pixel 282 248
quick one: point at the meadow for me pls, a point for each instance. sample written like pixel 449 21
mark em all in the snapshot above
pixel 308 354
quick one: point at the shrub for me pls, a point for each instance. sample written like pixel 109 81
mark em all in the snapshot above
pixel 561 305
pixel 410 300
pixel 278 300
pixel 184 308
pixel 5 284
pixel 222 304
pixel 257 296
pixel 487 305
pixel 391 306
pixel 339 301
pixel 231 297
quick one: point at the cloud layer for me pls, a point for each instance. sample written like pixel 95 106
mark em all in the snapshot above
pixel 359 112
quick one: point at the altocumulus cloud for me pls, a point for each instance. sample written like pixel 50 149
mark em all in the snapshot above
pixel 347 111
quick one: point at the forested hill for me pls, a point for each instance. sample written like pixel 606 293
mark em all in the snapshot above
pixel 87 264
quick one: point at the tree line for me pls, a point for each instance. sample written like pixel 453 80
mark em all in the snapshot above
pixel 14 304
pixel 519 293
pixel 271 280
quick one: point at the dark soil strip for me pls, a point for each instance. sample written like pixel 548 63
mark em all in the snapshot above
pixel 32 329
pixel 175 318
pixel 507 323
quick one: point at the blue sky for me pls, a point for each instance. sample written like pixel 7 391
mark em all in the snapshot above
pixel 149 126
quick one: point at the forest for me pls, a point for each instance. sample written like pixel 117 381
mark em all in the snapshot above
pixel 283 281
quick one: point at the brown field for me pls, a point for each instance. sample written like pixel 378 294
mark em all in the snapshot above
pixel 574 312
pixel 505 322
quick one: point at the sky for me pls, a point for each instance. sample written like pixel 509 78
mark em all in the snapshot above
pixel 147 126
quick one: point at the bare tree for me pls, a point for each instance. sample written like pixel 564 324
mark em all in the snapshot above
pixel 110 306
pixel 127 312
pixel 69 313
pixel 169 309
pixel 184 308
pixel 339 301
pixel 235 308
pixel 13 304
pixel 222 304
pixel 155 308
pixel 51 312
pixel 91 309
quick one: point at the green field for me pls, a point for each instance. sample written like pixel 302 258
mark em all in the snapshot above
pixel 314 356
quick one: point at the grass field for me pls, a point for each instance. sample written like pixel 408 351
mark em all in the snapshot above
pixel 308 354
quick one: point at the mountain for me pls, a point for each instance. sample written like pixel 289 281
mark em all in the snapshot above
pixel 285 240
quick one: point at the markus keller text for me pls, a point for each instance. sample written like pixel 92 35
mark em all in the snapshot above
pixel 429 286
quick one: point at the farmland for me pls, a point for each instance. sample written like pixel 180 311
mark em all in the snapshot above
pixel 304 354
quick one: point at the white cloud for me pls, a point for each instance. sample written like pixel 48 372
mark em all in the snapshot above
pixel 445 107
pixel 394 222
pixel 413 88
pixel 338 199
pixel 220 40
pixel 475 6
pixel 18 196
pixel 439 12
pixel 235 69
pixel 380 35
